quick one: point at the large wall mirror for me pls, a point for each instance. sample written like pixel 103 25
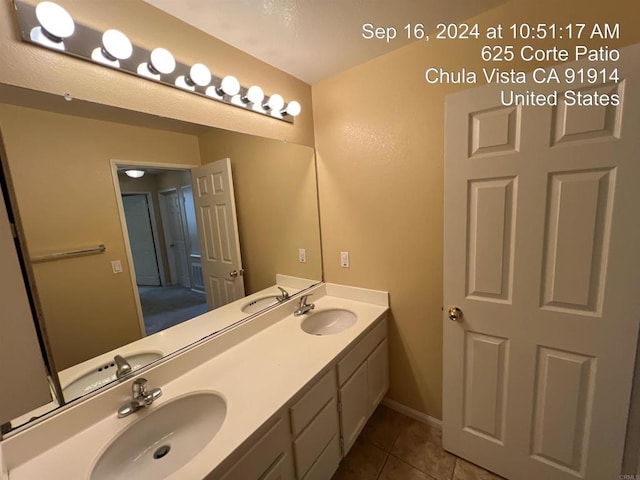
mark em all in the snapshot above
pixel 66 163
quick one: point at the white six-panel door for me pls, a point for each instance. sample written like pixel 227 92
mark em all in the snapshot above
pixel 542 256
pixel 216 216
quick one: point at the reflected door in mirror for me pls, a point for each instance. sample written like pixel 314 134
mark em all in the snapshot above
pixel 218 226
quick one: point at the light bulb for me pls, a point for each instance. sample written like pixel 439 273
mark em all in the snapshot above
pixel 56 22
pixel 254 95
pixel 134 173
pixel 275 103
pixel 199 75
pixel 293 109
pixel 116 45
pixel 55 25
pixel 162 61
pixel 229 86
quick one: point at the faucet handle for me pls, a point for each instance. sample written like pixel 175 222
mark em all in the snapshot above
pixel 153 395
pixel 303 299
pixel 139 387
pixel 123 367
pixel 284 295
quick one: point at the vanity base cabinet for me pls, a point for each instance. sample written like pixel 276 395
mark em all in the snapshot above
pixel 268 458
pixel 324 419
pixel 363 375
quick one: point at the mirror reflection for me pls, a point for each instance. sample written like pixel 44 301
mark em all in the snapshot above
pixel 217 222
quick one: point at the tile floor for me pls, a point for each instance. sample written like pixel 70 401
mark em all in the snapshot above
pixel 395 447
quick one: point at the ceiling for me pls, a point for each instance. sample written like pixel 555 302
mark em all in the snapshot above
pixel 315 39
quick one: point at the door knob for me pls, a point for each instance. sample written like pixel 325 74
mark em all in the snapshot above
pixel 455 314
pixel 235 273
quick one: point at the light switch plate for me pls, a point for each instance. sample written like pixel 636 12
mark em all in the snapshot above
pixel 302 255
pixel 116 266
pixel 344 259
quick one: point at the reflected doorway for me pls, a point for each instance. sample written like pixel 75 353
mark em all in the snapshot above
pixel 160 229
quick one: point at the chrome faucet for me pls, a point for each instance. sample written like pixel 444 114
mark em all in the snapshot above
pixel 284 296
pixel 122 366
pixel 141 398
pixel 303 306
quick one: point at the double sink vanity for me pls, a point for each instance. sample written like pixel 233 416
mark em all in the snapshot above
pixel 282 395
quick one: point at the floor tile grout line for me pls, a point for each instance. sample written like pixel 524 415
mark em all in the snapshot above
pixel 431 477
pixel 379 474
pixel 455 465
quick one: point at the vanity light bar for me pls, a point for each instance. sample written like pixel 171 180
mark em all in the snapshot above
pixel 49 25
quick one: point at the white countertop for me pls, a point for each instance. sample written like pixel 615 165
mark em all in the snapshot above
pixel 256 377
pixel 172 339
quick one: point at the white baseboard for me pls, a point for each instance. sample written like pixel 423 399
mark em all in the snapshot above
pixel 411 413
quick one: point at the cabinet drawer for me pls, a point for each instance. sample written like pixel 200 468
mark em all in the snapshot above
pixel 272 447
pixel 327 463
pixel 303 411
pixel 315 437
pixel 361 351
pixel 281 470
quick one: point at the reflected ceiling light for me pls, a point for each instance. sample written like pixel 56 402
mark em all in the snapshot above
pixel 254 95
pixel 116 46
pixel 134 173
pixel 275 103
pixel 293 109
pixel 55 25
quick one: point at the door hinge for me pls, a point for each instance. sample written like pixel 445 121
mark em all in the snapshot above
pixel 339 407
pixel 14 231
pixel 342 444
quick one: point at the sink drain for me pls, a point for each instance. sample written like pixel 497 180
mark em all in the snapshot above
pixel 161 452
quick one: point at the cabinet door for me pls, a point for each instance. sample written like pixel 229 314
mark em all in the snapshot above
pixel 378 374
pixel 354 406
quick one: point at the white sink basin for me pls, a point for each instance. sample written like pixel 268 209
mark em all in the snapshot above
pixel 105 373
pixel 329 322
pixel 163 440
pixel 259 304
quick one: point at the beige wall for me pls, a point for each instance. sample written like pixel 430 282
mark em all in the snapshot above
pixel 276 200
pixel 60 166
pixel 379 141
pixel 28 66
